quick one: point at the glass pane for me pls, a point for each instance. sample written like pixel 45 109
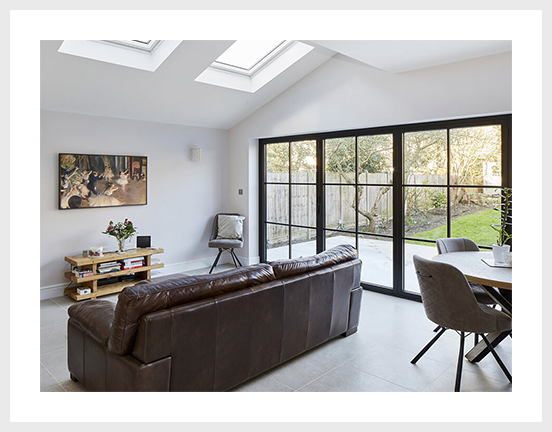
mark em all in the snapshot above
pixel 277 163
pixel 425 212
pixel 277 203
pixel 340 160
pixel 425 157
pixel 472 214
pixel 340 207
pixel 377 255
pixel 303 242
pixel 303 205
pixel 375 209
pixel 338 238
pixel 277 242
pixel 303 162
pixel 426 250
pixel 375 159
pixel 475 156
pixel 244 54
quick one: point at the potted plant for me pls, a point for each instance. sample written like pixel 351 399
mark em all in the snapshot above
pixel 505 210
pixel 121 231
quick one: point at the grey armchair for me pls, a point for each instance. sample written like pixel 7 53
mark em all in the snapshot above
pixel 449 302
pixel 224 244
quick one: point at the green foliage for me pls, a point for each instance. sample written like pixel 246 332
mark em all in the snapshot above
pixel 505 210
pixel 438 199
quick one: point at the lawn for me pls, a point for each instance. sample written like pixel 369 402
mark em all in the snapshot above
pixel 474 226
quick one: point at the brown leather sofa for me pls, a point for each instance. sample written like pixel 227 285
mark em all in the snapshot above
pixel 213 332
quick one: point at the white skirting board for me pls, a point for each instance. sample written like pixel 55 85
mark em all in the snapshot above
pixel 52 291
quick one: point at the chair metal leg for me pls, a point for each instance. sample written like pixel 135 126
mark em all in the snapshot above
pixel 216 261
pixel 428 346
pixel 233 257
pixel 460 363
pixel 498 359
pixel 236 258
pixel 475 339
pixel 436 329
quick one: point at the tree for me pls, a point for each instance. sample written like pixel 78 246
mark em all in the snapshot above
pixel 474 155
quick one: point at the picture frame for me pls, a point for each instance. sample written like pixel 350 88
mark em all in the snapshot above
pixel 93 181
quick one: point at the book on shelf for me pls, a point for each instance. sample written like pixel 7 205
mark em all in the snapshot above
pixel 109 265
pixel 79 272
pixel 109 270
pixel 128 267
pixel 82 274
pixel 132 260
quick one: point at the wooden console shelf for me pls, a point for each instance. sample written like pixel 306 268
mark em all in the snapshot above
pixel 92 263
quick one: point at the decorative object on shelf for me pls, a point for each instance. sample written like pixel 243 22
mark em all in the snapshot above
pixel 95 251
pixel 122 231
pixel 504 234
pixel 101 181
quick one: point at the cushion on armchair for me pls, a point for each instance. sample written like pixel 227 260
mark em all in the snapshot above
pixel 230 227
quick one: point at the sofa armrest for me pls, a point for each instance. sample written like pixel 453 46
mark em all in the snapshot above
pixel 95 317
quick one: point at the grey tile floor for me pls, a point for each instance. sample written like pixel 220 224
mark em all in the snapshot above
pixel 375 359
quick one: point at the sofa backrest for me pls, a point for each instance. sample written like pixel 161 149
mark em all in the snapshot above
pixel 162 293
pixel 291 267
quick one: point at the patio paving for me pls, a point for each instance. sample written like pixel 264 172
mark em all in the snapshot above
pixel 376 256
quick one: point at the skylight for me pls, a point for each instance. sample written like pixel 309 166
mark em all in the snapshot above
pixel 249 65
pixel 247 57
pixel 141 45
pixel 139 54
pixel 246 54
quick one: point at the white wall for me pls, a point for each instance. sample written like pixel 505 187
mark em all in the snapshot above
pixel 182 195
pixel 345 94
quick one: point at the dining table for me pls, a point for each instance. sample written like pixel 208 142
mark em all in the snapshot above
pixel 479 267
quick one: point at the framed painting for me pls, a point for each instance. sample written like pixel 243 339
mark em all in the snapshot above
pixel 88 181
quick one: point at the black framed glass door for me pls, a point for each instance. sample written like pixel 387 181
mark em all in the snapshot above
pixel 390 192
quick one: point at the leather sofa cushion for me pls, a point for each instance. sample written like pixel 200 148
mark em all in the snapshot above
pixel 335 255
pixel 95 317
pixel 152 295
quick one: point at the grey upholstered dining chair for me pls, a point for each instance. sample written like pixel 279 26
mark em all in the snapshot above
pixel 448 245
pixel 449 302
pixel 225 244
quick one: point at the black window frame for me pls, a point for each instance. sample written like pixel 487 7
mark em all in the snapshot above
pixel 398 131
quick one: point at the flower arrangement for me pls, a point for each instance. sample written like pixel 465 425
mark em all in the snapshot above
pixel 121 231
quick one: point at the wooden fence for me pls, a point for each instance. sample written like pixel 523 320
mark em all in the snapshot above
pixel 340 200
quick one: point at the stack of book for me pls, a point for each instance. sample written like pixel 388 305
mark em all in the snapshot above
pixel 109 267
pixel 80 273
pixel 131 263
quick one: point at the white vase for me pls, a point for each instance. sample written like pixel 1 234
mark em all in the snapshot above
pixel 498 252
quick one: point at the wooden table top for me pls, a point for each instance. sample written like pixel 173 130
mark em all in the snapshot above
pixel 475 270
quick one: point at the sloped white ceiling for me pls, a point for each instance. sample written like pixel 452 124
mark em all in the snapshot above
pixel 404 56
pixel 170 94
